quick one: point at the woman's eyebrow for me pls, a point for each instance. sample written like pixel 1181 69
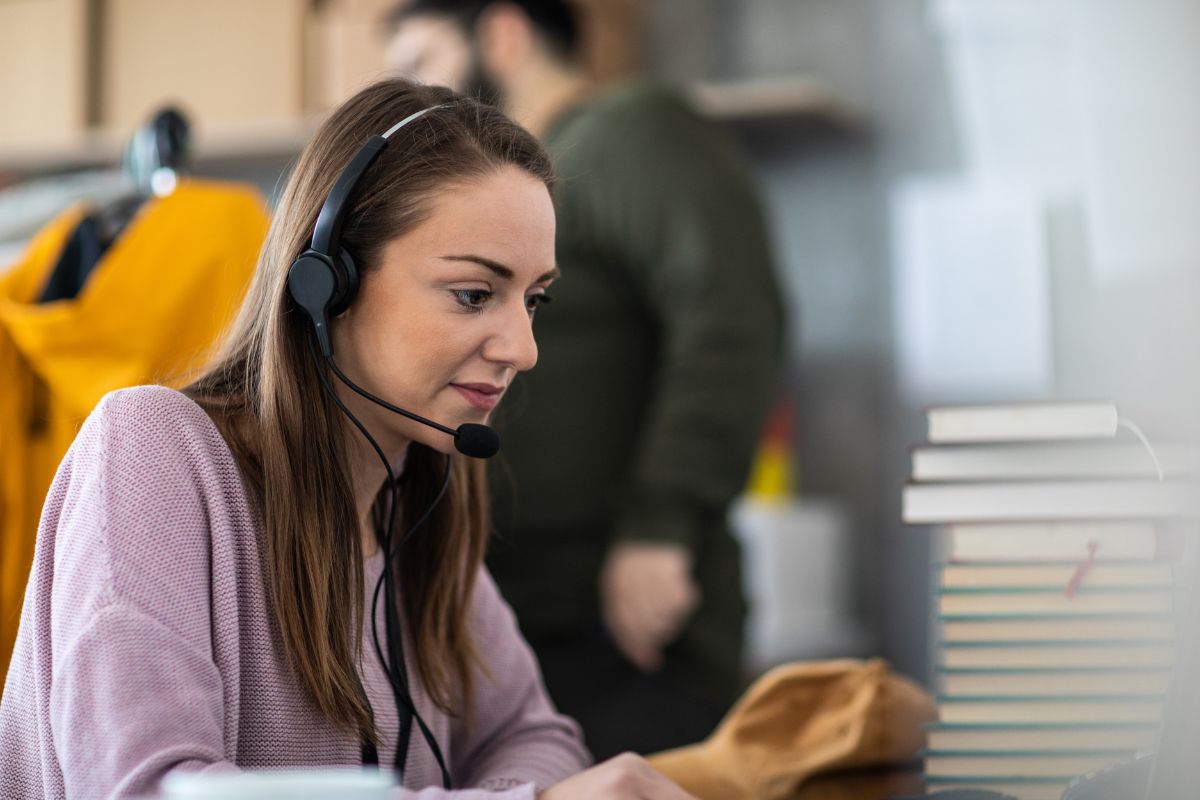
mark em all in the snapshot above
pixel 500 269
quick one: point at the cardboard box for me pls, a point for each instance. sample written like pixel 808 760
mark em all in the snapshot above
pixel 346 44
pixel 43 54
pixel 226 63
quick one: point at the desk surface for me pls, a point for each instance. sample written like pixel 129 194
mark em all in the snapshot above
pixel 862 785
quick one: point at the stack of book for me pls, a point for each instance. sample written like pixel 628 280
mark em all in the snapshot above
pixel 1054 601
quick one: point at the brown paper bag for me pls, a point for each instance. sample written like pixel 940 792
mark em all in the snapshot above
pixel 800 720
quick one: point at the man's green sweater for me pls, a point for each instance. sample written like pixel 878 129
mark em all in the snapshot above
pixel 659 357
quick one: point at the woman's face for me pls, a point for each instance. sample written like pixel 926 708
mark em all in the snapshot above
pixel 445 322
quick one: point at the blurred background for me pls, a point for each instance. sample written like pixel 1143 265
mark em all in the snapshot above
pixel 971 200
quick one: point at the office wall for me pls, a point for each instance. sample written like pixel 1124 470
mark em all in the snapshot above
pixel 1057 142
pixel 828 194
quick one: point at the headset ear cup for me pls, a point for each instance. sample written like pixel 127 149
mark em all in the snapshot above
pixel 347 284
pixel 311 283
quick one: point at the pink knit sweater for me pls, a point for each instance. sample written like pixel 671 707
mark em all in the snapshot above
pixel 146 642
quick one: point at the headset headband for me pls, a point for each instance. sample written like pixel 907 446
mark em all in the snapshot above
pixel 327 233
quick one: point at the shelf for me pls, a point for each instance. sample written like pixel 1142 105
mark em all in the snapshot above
pixel 97 149
pixel 755 102
pixel 773 98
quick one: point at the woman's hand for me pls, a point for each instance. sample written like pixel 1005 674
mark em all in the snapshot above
pixel 623 777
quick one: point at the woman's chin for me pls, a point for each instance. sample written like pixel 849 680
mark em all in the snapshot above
pixel 436 440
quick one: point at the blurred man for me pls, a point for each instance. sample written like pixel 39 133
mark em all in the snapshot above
pixel 659 357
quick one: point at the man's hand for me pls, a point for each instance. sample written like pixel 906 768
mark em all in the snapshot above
pixel 646 595
pixel 623 777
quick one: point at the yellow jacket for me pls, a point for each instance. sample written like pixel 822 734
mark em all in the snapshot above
pixel 151 311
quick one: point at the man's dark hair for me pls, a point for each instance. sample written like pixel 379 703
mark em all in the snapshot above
pixel 554 20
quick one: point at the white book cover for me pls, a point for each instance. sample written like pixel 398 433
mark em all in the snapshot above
pixel 1023 603
pixel 1127 628
pixel 1024 766
pixel 1135 540
pixel 1052 573
pixel 1044 738
pixel 927 503
pixel 1022 422
pixel 1048 711
pixel 1053 683
pixel 1044 461
pixel 1050 655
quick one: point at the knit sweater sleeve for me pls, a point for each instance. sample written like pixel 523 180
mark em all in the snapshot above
pixel 134 689
pixel 512 736
pixel 143 624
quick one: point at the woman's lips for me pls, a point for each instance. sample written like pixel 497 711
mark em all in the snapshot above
pixel 481 395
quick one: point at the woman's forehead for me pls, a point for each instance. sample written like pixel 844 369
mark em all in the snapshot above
pixel 505 216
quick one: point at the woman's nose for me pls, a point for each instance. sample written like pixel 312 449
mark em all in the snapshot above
pixel 513 343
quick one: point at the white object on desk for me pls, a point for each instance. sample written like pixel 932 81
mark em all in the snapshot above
pixel 348 783
pixel 795 567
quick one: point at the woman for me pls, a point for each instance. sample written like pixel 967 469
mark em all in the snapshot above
pixel 205 594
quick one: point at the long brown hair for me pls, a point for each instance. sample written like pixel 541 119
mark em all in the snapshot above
pixel 288 437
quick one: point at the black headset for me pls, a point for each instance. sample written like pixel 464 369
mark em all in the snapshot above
pixel 322 282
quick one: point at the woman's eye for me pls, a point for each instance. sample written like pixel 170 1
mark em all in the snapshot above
pixel 534 300
pixel 473 299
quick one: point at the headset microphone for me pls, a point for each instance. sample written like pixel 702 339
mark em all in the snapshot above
pixel 477 441
pixel 470 439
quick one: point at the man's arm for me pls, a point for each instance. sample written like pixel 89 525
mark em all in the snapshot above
pixel 685 209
